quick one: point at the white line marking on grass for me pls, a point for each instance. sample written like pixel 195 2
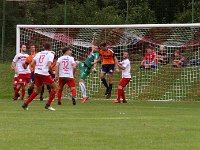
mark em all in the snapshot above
pixel 103 118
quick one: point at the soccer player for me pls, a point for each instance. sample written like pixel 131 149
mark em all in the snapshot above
pixel 23 74
pixel 65 70
pixel 27 63
pixel 109 64
pixel 15 81
pixel 126 77
pixel 86 67
pixel 53 66
pixel 42 62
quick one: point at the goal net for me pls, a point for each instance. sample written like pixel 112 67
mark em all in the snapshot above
pixel 177 48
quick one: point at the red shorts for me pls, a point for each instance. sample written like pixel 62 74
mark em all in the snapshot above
pixel 42 79
pixel 23 79
pixel 124 81
pixel 15 81
pixel 69 81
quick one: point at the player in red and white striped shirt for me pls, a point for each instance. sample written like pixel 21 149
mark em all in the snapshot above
pixel 43 62
pixel 126 77
pixel 23 75
pixel 65 70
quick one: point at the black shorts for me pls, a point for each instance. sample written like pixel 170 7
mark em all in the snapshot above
pixel 108 68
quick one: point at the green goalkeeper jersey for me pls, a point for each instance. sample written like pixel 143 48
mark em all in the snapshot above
pixel 93 56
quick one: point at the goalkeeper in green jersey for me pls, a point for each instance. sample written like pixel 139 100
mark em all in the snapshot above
pixel 88 66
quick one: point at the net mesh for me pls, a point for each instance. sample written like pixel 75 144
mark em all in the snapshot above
pixel 162 83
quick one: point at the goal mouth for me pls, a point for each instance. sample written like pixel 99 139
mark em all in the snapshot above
pixel 166 81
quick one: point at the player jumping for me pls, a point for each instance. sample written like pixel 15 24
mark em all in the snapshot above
pixel 86 67
pixel 109 63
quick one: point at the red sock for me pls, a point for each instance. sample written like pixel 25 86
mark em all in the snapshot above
pixel 23 93
pixel 31 97
pixel 123 95
pixel 16 92
pixel 51 96
pixel 14 87
pixel 74 92
pixel 119 93
pixel 59 95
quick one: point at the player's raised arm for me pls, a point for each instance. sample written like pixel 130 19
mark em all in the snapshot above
pixel 94 39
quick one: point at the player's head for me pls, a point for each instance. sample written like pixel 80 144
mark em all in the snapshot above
pixel 149 49
pixel 47 46
pixel 125 55
pixel 32 48
pixel 23 48
pixel 95 48
pixel 103 46
pixel 67 50
pixel 162 47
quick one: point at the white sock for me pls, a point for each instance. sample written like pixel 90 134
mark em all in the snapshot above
pixel 83 89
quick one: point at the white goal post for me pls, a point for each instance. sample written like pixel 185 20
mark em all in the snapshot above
pixel 163 83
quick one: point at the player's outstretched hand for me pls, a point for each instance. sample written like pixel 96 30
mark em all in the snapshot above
pixel 94 70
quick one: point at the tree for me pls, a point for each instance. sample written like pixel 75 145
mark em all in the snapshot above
pixel 141 13
pixel 186 15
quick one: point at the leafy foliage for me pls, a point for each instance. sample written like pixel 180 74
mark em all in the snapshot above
pixel 96 12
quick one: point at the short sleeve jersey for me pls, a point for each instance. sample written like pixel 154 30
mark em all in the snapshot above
pixel 107 56
pixel 66 66
pixel 19 60
pixel 42 59
pixel 126 72
pixel 150 56
pixel 91 57
pixel 29 60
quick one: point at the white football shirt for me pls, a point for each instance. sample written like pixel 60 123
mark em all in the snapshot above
pixel 126 72
pixel 65 66
pixel 42 59
pixel 19 60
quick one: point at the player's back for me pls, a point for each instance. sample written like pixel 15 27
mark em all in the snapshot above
pixel 42 59
pixel 66 66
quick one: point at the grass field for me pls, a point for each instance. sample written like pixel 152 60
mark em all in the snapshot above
pixel 96 125
pixel 101 125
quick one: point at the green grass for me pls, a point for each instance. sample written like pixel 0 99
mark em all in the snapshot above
pixel 138 125
pixel 100 125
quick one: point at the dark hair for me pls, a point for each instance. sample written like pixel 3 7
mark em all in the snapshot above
pixel 47 46
pixel 22 45
pixel 32 45
pixel 149 46
pixel 103 44
pixel 64 49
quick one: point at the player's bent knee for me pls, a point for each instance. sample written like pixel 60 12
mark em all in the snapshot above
pixel 120 87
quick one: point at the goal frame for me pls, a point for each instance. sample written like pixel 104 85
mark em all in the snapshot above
pixel 99 26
